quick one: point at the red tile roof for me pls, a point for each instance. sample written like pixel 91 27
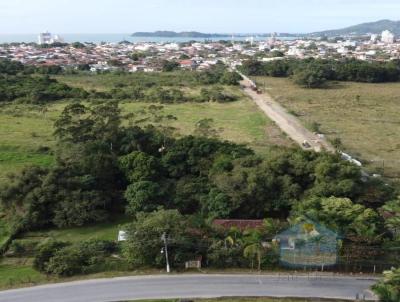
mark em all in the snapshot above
pixel 238 223
pixel 186 62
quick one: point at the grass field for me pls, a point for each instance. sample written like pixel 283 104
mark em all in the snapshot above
pixel 105 82
pixel 26 138
pixel 364 116
pixel 18 273
pixel 4 232
pixel 26 132
pixel 102 231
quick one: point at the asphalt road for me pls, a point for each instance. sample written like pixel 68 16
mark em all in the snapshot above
pixel 193 286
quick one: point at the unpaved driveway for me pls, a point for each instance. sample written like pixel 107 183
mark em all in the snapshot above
pixel 286 121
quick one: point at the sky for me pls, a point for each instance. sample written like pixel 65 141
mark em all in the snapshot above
pixel 211 16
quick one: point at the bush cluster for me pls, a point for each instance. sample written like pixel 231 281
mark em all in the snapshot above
pixel 62 259
pixel 314 72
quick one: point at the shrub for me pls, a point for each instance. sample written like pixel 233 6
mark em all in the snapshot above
pixel 230 78
pixel 45 252
pixel 23 247
pixel 67 262
pixel 79 258
pixel 309 78
pixel 388 289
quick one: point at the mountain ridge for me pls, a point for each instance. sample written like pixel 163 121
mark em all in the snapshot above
pixel 363 29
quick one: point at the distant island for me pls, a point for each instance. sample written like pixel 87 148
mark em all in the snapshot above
pixel 172 34
pixel 363 29
pixel 195 34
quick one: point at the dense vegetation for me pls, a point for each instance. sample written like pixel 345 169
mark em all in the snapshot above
pixel 104 169
pixel 32 85
pixel 314 73
pixel 388 289
pixel 28 89
pixel 176 186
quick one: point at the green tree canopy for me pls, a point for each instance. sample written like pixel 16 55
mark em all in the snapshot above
pixel 340 214
pixel 144 244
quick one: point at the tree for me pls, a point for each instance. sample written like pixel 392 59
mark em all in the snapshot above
pixel 230 78
pixel 218 205
pixel 253 68
pixel 139 166
pixel 391 214
pixel 168 66
pixel 277 53
pixel 82 257
pixel 388 289
pixel 254 252
pixel 45 252
pixel 144 242
pixel 336 177
pixel 309 78
pixel 137 55
pixel 154 118
pixel 78 45
pixel 143 196
pixel 253 249
pixel 205 128
pixel 337 143
pixel 340 214
pixel 74 124
pixel 84 185
pixel 216 94
pixel 22 199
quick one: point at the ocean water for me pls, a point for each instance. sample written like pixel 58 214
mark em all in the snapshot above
pixel 115 38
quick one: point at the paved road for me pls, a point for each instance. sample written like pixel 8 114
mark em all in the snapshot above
pixel 284 120
pixel 190 286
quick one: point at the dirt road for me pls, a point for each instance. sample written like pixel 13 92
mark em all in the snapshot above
pixel 286 121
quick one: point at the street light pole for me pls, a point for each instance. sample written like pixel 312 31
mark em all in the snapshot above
pixel 164 238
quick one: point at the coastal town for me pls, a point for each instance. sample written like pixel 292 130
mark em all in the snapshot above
pixel 199 151
pixel 194 55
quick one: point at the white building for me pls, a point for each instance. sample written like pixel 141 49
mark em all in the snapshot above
pixel 48 38
pixel 296 52
pixel 45 38
pixel 387 37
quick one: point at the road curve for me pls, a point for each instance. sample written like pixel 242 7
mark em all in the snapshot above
pixel 193 286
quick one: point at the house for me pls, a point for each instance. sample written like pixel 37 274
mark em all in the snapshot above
pixel 188 64
pixel 308 244
pixel 240 224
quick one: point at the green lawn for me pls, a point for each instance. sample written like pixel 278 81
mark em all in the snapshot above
pixel 107 81
pixel 19 272
pixel 26 132
pixel 103 231
pixel 364 116
pixel 25 136
pixel 4 232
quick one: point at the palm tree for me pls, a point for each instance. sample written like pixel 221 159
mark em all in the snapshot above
pixel 252 252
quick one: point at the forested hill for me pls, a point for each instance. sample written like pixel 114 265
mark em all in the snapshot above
pixel 172 34
pixel 363 29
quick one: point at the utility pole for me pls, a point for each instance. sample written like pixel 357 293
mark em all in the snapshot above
pixel 164 238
